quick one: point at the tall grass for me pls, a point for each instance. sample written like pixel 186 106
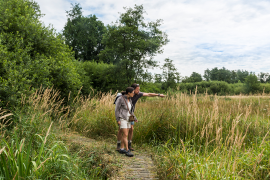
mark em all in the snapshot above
pixel 194 137
pixel 20 161
pixel 207 137
pixel 28 147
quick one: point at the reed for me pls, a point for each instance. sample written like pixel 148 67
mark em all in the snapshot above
pixel 28 147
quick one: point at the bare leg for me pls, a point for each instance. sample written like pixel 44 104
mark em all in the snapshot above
pixel 119 136
pixel 130 133
pixel 124 141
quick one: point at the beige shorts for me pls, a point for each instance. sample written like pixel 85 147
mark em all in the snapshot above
pixel 124 124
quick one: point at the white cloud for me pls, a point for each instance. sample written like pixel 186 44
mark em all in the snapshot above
pixel 203 34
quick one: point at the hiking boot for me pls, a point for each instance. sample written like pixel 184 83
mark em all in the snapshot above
pixel 129 146
pixel 118 146
pixel 129 154
pixel 122 151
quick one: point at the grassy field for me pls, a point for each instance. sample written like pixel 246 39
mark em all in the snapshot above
pixel 190 136
pixel 193 137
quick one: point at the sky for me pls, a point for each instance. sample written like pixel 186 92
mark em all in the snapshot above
pixel 234 34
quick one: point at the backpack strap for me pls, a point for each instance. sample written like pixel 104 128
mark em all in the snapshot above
pixel 127 106
pixel 116 99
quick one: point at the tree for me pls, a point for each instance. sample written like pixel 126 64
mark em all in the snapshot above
pixel 170 74
pixel 31 54
pixel 194 77
pixel 241 75
pixel 84 34
pixel 158 78
pixel 234 77
pixel 207 74
pixel 214 74
pixel 252 84
pixel 264 77
pixel 225 75
pixel 131 43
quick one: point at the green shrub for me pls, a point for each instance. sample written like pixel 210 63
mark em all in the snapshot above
pixel 32 55
pixel 252 85
pixel 101 76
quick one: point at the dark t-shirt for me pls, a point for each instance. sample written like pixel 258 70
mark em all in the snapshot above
pixel 135 98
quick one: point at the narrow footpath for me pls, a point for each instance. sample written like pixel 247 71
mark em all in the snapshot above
pixel 140 166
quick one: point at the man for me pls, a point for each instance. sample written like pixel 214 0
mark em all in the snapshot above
pixel 134 99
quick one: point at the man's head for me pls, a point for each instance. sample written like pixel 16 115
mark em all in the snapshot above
pixel 136 88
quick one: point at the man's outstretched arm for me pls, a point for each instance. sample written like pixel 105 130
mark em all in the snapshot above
pixel 153 95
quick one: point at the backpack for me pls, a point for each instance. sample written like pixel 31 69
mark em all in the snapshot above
pixel 118 95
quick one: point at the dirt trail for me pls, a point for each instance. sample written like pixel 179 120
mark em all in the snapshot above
pixel 138 167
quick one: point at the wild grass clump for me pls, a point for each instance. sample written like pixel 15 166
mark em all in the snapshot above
pixel 20 161
pixel 29 147
pixel 94 116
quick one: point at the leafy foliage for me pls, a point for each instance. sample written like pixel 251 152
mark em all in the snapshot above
pixel 31 55
pixel 194 77
pixel 226 75
pixel 131 44
pixel 100 76
pixel 252 85
pixel 264 77
pixel 170 74
pixel 83 34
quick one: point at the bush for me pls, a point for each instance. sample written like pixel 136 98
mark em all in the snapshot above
pixel 101 76
pixel 32 55
pixel 151 87
pixel 266 88
pixel 252 85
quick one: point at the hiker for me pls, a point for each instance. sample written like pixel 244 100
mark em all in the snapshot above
pixel 134 99
pixel 124 115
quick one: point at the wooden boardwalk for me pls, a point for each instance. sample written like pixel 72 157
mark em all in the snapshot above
pixel 140 166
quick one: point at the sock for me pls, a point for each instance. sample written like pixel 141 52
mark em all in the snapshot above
pixel 118 141
pixel 122 149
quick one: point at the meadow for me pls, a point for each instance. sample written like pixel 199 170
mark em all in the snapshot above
pixel 190 136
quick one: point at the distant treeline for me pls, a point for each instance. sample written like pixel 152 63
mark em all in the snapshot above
pixel 224 88
pixel 223 74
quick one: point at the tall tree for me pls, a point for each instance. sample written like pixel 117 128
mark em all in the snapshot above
pixel 241 75
pixel 131 43
pixel 252 84
pixel 170 74
pixel 225 75
pixel 214 75
pixel 84 34
pixel 194 77
pixel 158 78
pixel 207 74
pixel 234 77
pixel 264 77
